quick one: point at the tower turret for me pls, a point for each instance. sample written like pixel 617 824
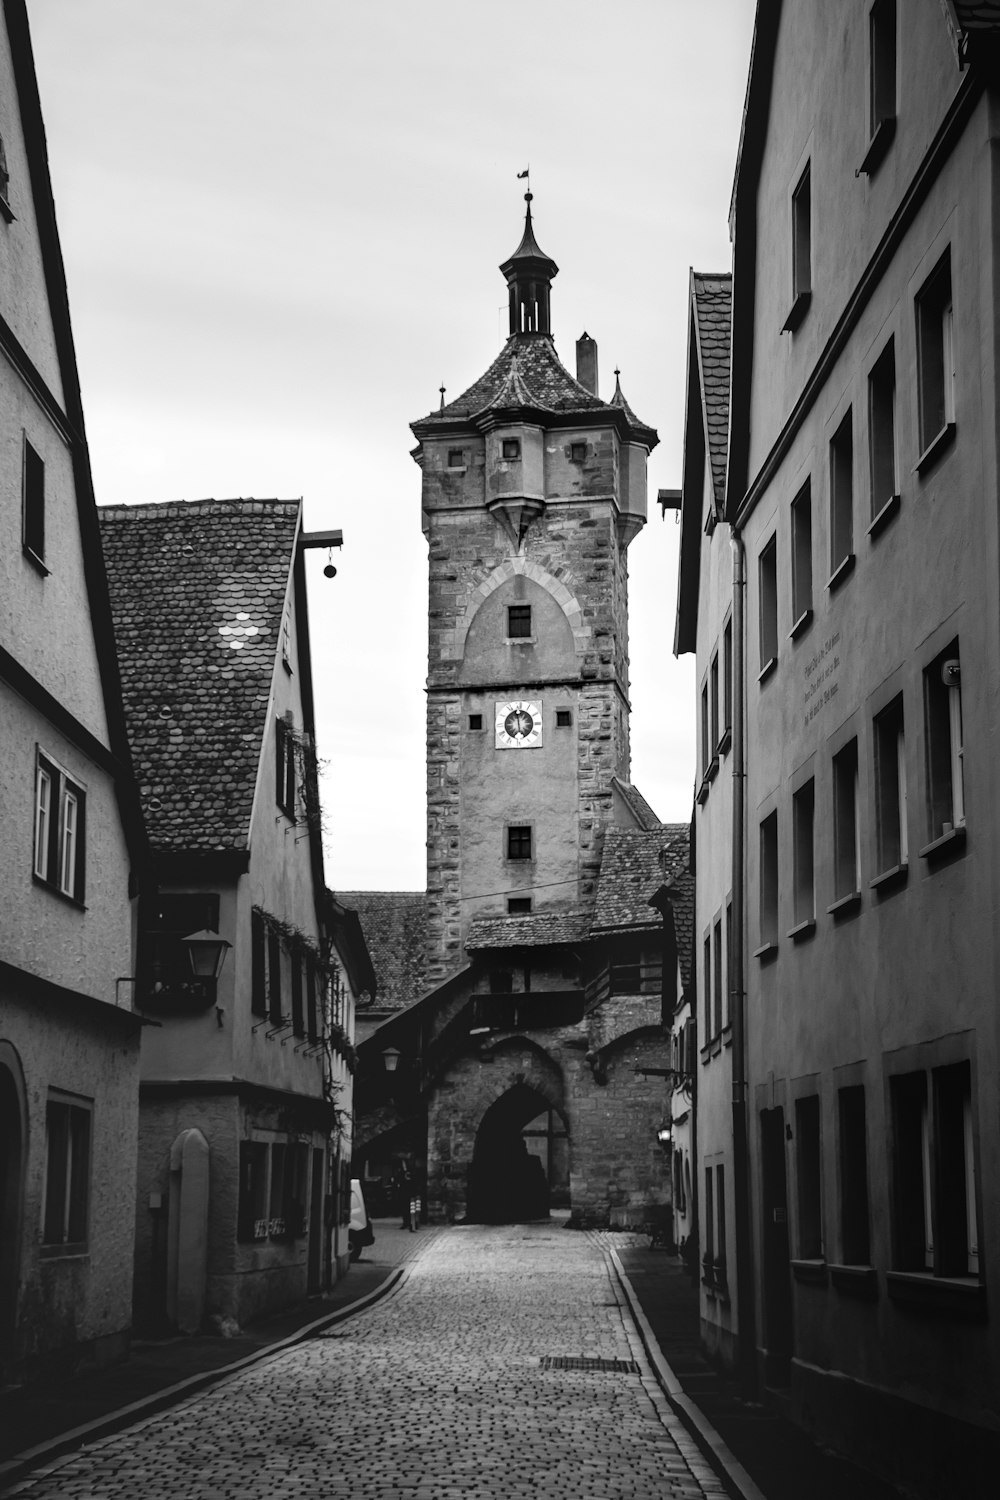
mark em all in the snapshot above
pixel 529 273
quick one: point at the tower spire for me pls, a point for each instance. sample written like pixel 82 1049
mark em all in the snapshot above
pixel 529 273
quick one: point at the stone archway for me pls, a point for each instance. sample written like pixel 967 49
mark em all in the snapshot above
pixel 13 1150
pixel 507 1182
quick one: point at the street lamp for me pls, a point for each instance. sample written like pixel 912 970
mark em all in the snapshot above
pixel 664 1133
pixel 206 952
pixel 391 1059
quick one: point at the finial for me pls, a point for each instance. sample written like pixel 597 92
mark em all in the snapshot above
pixel 617 372
pixel 528 196
pixel 441 388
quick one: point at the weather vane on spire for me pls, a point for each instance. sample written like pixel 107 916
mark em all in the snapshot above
pixel 526 174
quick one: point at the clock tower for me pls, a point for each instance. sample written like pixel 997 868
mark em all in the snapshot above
pixel 532 490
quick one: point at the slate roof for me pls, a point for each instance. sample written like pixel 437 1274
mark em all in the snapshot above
pixel 197 593
pixel 528 373
pixel 394 924
pixel 713 301
pixel 632 870
pixel 537 930
pixel 640 808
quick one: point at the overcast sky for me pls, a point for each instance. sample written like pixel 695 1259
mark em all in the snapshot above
pixel 282 226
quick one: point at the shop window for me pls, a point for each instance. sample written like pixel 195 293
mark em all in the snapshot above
pixel 855 1229
pixel 808 1178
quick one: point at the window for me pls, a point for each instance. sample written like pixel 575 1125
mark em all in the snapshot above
pixel 625 976
pixel 802 563
pixel 67 1174
pixel 709 1255
pixel 717 974
pixel 475 721
pixel 943 729
pixel 714 696
pixel 890 787
pixel 768 575
pixel 60 830
pixel 882 64
pixel 934 1175
pixel 258 965
pixel 769 881
pixel 511 448
pixel 707 946
pixel 518 621
pixel 252 1212
pixel 274 978
pixel 803 817
pixel 727 676
pixel 564 718
pixel 882 430
pixel 846 852
pixel 298 1016
pixel 33 504
pixel 855 1231
pixel 456 458
pixel 720 1227
pixel 165 962
pixel 808 1180
pixel 518 906
pixel 284 768
pixel 276 1196
pixel 842 495
pixel 706 744
pixel 519 841
pixel 801 252
pixel 935 358
pixel 577 452
pixel 729 963
pixel 312 1031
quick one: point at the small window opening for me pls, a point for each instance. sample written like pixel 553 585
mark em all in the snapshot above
pixel 519 841
pixel 475 721
pixel 577 452
pixel 518 621
pixel 456 458
pixel 564 718
pixel 518 906
pixel 511 448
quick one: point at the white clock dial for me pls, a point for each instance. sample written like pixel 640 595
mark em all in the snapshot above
pixel 518 725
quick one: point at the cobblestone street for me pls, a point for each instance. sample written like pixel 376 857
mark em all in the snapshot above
pixel 442 1389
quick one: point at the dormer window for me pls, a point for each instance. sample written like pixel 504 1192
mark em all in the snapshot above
pixel 511 448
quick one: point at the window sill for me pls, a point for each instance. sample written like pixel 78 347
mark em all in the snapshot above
pixel 945 1294
pixel 856 1281
pixel 811 1272
pixel 713 769
pixel 766 951
pixel 935 448
pixel 725 742
pixel 797 312
pixel 35 561
pixel 882 518
pixel 877 147
pixel 521 640
pixel 801 624
pixel 727 1035
pixel 53 890
pixel 948 844
pixel 890 878
pixel 64 1252
pixel 701 796
pixel 845 906
pixel 767 669
pixel 840 572
pixel 802 930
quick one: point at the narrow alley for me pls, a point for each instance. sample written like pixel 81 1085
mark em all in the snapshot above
pixel 505 1363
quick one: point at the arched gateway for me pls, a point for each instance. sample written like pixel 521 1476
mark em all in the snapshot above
pixel 515 1171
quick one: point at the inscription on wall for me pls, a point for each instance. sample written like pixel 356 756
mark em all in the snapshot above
pixel 821 678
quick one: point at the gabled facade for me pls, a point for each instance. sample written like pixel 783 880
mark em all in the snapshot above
pixel 862 491
pixel 705 626
pixel 71 846
pixel 246 1085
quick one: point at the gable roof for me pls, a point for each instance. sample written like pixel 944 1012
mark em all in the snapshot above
pixel 632 870
pixel 534 930
pixel 198 591
pixel 637 805
pixel 528 376
pixel 394 924
pixel 712 299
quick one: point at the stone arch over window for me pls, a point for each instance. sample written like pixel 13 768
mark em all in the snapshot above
pixel 512 568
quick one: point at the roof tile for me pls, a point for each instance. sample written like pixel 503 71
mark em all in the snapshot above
pixel 713 321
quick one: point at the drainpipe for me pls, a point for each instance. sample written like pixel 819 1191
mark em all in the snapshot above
pixel 746 1339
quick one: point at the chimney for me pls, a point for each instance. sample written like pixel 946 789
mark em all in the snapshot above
pixel 586 362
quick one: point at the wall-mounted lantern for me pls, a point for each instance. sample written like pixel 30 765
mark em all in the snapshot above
pixel 206 953
pixel 391 1057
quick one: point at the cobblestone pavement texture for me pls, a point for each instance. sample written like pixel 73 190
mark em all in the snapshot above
pixel 437 1391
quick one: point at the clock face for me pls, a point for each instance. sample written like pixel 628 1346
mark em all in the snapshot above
pixel 518 725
